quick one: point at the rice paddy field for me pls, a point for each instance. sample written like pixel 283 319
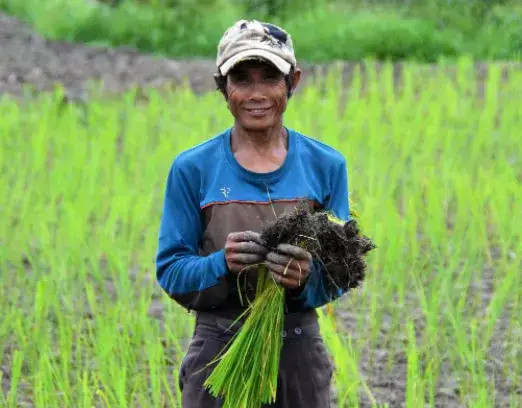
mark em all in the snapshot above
pixel 434 162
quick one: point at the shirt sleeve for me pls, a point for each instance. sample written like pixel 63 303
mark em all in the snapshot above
pixel 315 293
pixel 194 281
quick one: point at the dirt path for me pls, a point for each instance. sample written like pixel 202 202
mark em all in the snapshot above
pixel 28 59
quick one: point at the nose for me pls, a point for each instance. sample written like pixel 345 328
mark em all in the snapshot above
pixel 257 91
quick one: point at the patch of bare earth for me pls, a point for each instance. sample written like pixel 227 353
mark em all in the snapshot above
pixel 387 381
pixel 28 59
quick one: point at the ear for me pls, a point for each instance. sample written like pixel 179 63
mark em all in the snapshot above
pixel 296 77
pixel 221 84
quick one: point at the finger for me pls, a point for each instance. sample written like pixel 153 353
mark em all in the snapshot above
pixel 245 258
pixel 278 258
pixel 286 282
pixel 295 274
pixel 286 261
pixel 295 269
pixel 276 277
pixel 245 236
pixel 276 268
pixel 250 248
pixel 239 268
pixel 294 251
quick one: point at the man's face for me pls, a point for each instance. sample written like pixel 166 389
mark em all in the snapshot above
pixel 257 95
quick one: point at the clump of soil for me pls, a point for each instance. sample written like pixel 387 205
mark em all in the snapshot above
pixel 339 247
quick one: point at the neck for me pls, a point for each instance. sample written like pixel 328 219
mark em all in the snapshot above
pixel 261 141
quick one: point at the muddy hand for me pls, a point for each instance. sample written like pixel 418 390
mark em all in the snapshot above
pixel 290 265
pixel 243 249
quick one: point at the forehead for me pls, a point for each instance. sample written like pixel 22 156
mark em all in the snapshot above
pixel 254 65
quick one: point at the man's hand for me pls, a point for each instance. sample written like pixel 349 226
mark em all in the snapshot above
pixel 243 249
pixel 290 265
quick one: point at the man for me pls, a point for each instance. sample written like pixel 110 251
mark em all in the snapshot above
pixel 221 193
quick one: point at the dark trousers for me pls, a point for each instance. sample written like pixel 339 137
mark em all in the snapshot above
pixel 305 369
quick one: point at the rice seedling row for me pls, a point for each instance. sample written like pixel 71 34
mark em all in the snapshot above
pixel 434 170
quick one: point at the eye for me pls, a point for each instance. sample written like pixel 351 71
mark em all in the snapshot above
pixel 273 76
pixel 239 78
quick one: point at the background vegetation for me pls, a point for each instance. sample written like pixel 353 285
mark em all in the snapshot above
pixel 323 30
pixel 435 172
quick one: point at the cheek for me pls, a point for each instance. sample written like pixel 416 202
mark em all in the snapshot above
pixel 280 98
pixel 278 95
pixel 234 98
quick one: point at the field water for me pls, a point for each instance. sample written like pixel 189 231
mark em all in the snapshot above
pixel 434 170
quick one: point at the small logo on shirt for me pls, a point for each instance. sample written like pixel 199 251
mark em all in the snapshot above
pixel 225 191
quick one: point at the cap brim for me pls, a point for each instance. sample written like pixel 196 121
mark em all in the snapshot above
pixel 279 62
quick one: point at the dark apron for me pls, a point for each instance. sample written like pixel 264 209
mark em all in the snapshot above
pixel 305 369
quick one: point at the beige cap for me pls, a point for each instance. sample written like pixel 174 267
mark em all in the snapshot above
pixel 252 40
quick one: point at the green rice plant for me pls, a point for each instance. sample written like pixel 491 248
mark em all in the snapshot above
pixel 415 390
pixel 191 28
pixel 246 376
pixel 347 377
pixel 433 157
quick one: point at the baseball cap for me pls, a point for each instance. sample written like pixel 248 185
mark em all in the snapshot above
pixel 247 40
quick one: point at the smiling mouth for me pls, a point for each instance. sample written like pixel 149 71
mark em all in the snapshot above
pixel 258 110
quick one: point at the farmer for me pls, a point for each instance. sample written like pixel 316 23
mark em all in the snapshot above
pixel 218 197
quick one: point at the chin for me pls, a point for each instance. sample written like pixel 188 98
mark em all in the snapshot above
pixel 257 125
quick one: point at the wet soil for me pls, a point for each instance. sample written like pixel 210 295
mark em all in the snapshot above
pixel 338 246
pixel 28 60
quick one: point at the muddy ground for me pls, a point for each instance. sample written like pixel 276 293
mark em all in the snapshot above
pixel 27 60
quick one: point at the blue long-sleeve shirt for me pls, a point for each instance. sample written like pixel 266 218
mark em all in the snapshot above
pixel 209 194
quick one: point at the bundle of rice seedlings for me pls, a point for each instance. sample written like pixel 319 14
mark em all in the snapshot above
pixel 246 376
